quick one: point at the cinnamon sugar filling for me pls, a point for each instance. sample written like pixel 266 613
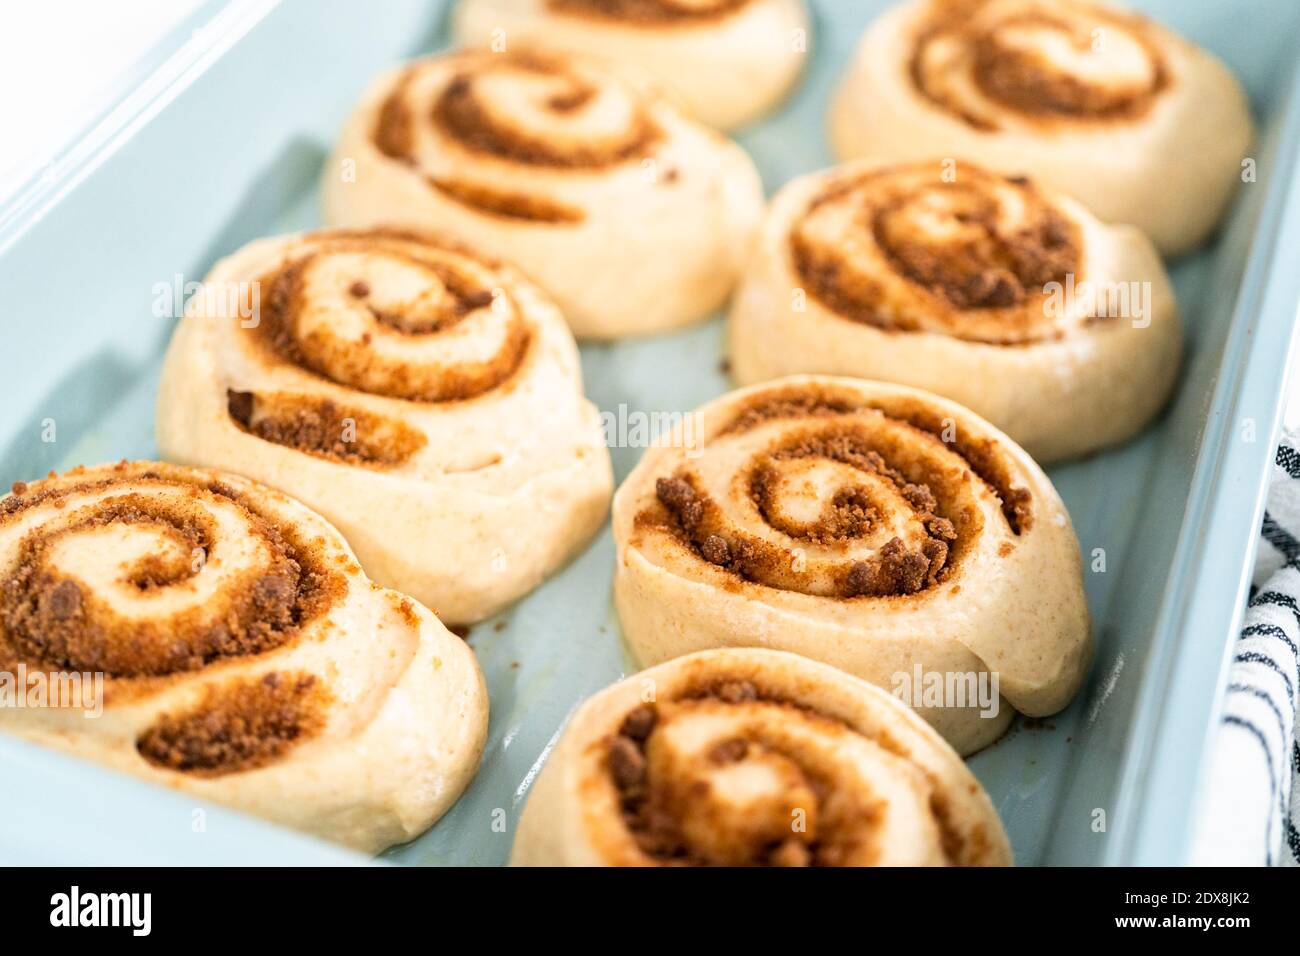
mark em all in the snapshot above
pixel 52 618
pixel 324 428
pixel 509 204
pixel 360 364
pixel 461 114
pixel 240 725
pixel 972 270
pixel 900 481
pixel 986 459
pixel 670 807
pixel 1025 80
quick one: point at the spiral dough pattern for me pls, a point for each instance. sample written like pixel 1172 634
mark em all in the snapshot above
pixel 754 758
pixel 868 526
pixel 725 62
pixel 622 209
pixel 997 65
pixel 1091 100
pixel 220 616
pixel 1004 296
pixel 396 382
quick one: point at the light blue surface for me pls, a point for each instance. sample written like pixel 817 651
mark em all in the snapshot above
pixel 226 143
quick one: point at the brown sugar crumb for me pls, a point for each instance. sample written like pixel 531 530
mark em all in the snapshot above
pixel 729 751
pixel 895 571
pixel 716 550
pixel 680 497
pixel 359 289
pixel 240 725
pixel 626 763
pixel 638 724
pixel 19 488
pixel 64 601
pixel 406 608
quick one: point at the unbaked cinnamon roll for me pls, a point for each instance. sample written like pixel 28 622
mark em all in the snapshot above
pixel 725 62
pixel 213 636
pixel 1101 104
pixel 880 529
pixel 634 218
pixel 1010 299
pixel 425 399
pixel 754 758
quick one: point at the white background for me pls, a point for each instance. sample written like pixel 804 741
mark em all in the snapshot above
pixel 60 63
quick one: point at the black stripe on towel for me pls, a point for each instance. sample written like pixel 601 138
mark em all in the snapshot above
pixel 1264 629
pixel 1277 599
pixel 1266 698
pixel 1254 657
pixel 1288 460
pixel 1280 538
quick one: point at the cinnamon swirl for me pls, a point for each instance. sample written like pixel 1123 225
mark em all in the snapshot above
pixel 1010 299
pixel 425 399
pixel 244 657
pixel 1101 104
pixel 876 528
pixel 725 62
pixel 747 757
pixel 634 218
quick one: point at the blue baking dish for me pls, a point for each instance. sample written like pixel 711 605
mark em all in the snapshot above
pixel 221 138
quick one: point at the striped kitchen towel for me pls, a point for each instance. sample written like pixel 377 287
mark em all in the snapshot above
pixel 1251 815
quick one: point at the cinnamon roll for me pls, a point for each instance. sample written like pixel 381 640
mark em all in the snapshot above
pixel 1010 299
pixel 425 399
pixel 1101 104
pixel 880 529
pixel 226 644
pixel 725 62
pixel 745 757
pixel 634 218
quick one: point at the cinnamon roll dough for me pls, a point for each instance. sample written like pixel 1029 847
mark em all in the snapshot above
pixel 745 757
pixel 725 62
pixel 1010 299
pixel 425 399
pixel 880 529
pixel 245 658
pixel 1137 123
pixel 633 217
